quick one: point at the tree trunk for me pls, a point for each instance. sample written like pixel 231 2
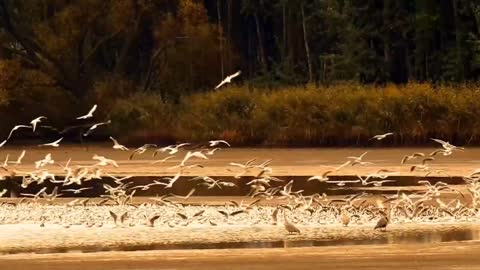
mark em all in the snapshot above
pixel 284 14
pixel 458 42
pixel 261 49
pixel 220 40
pixel 307 47
pixel 228 53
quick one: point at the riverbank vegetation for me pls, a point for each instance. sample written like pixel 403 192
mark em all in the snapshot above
pixel 314 72
pixel 338 115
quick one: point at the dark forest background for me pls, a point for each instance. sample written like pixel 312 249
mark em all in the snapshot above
pixel 320 70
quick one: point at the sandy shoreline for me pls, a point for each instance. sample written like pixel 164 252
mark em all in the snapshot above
pixel 445 256
pixel 285 162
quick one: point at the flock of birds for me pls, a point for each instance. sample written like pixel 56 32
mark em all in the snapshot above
pixel 270 201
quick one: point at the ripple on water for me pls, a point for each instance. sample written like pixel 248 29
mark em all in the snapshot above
pixel 54 238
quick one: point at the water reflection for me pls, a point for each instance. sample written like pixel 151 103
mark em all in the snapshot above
pixel 403 238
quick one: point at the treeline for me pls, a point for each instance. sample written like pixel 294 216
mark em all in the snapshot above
pixel 131 57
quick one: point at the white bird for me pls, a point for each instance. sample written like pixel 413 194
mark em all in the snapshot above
pixel 448 146
pixel 412 156
pixel 36 121
pixel 381 136
pixel 343 182
pixel 78 190
pixel 217 142
pixel 320 178
pixel 228 79
pixel 147 187
pixel 189 155
pixel 95 126
pixel 103 161
pixel 53 144
pixel 89 114
pixel 20 157
pixel 171 181
pixel 359 158
pixel 162 160
pixel 47 160
pixel 3 143
pixel 5 163
pixel 210 152
pixel 172 149
pixel 247 165
pixel 118 146
pixel 16 128
pixel 141 150
pixel 380 182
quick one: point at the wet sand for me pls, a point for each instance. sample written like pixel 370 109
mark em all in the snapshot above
pixel 54 238
pixel 445 256
pixel 286 162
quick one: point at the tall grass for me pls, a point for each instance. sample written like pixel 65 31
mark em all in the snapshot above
pixel 340 115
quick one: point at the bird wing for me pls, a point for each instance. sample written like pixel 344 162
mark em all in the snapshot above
pixel 123 216
pixel 152 219
pixel 198 155
pixel 237 164
pixel 220 84
pixel 236 74
pixel 326 173
pixel 237 212
pixel 132 155
pixel 92 110
pixel 182 215
pixel 439 141
pixel 199 213
pixel 19 159
pixel 114 216
pixel 114 141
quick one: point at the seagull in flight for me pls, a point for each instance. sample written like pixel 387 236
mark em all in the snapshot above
pixel 172 149
pixel 320 178
pixel 16 128
pixel 217 142
pixel 141 150
pixel 95 126
pixel 53 144
pixel 381 136
pixel 228 79
pixel 36 121
pixel 89 114
pixel 77 191
pixel 118 146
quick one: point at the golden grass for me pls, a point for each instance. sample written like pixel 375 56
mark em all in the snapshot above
pixel 344 114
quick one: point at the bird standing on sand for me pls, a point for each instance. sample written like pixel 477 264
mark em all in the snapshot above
pixel 382 222
pixel 345 217
pixel 291 228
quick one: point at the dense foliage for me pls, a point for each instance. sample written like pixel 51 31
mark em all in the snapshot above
pixel 146 59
